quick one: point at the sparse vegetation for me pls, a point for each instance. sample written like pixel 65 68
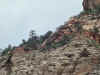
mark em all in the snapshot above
pixel 7 50
pixel 95 30
pixel 35 41
pixel 65 40
pixel 89 11
pixel 93 43
pixel 78 27
pixel 70 55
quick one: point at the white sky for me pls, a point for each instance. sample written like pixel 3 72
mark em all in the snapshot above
pixel 18 17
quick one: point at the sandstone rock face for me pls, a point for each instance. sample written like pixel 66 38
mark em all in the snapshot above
pixel 76 58
pixel 81 56
pixel 91 4
pixel 84 23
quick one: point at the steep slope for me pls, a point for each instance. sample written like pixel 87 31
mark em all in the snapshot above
pixel 83 24
pixel 76 58
pixel 74 49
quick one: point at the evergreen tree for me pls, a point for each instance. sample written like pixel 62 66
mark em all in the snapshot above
pixel 6 50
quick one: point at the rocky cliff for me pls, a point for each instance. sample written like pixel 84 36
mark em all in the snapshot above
pixel 91 4
pixel 78 55
pixel 76 58
pixel 87 24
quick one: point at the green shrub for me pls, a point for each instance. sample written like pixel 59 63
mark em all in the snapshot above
pixel 93 43
pixel 95 11
pixel 65 40
pixel 6 50
pixel 78 27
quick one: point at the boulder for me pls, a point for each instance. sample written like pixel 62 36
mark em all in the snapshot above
pixel 91 4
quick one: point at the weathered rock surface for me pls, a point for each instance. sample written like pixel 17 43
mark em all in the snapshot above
pixel 79 57
pixel 91 4
pixel 86 24
pixel 76 58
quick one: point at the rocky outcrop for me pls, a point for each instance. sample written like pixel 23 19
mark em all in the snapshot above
pixel 84 24
pixel 80 56
pixel 76 58
pixel 91 4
